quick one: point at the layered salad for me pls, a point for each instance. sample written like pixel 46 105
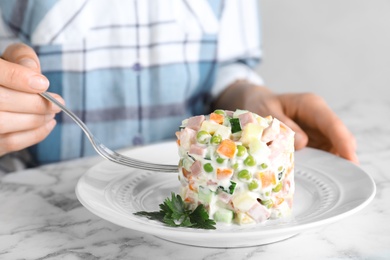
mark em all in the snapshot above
pixel 239 165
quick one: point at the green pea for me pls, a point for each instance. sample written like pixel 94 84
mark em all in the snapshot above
pixel 250 161
pixel 208 167
pixel 216 139
pixel 244 175
pixel 278 187
pixel 219 112
pixel 241 150
pixel 203 137
pixel 253 185
pixel 263 165
pixel 220 160
pixel 267 203
pixel 235 166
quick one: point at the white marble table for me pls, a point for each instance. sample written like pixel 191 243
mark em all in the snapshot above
pixel 41 218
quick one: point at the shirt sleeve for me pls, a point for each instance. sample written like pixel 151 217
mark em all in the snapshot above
pixel 7 37
pixel 16 161
pixel 239 45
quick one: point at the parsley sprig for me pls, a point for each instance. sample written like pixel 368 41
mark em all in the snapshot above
pixel 174 212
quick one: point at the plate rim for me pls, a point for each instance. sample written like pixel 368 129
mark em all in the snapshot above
pixel 168 233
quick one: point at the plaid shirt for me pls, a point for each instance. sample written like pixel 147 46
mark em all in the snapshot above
pixel 132 70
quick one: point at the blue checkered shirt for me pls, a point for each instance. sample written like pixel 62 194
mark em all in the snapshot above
pixel 132 70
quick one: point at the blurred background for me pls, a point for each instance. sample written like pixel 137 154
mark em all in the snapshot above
pixel 336 48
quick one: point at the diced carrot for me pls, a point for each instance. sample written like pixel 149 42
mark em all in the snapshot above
pixel 267 178
pixel 278 201
pixel 283 128
pixel 192 186
pixel 224 173
pixel 227 148
pixel 289 170
pixel 178 142
pixel 185 172
pixel 216 118
pixel 189 200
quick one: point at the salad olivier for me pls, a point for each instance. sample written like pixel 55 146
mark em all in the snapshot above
pixel 238 165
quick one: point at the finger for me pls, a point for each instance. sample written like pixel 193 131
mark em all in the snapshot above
pixel 16 122
pixel 22 102
pixel 19 70
pixel 300 139
pixel 343 141
pixel 333 129
pixel 22 54
pixel 20 140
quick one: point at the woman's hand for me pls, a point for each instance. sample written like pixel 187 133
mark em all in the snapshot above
pixel 314 123
pixel 25 117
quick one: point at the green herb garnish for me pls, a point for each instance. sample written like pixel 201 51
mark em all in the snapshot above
pixel 232 187
pixel 174 212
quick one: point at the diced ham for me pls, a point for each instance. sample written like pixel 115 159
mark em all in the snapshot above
pixel 289 202
pixel 224 197
pixel 259 213
pixel 196 168
pixel 286 186
pixel 271 132
pixel 195 122
pixel 246 118
pixel 187 137
pixel 229 113
pixel 197 150
pixel 287 131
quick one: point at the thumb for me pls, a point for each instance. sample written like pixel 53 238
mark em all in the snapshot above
pixel 20 70
pixel 301 139
pixel 23 55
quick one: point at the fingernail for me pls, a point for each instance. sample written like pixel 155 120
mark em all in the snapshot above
pixel 38 82
pixel 355 159
pixel 29 63
pixel 300 140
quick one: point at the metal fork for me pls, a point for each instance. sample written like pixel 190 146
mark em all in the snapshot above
pixel 105 152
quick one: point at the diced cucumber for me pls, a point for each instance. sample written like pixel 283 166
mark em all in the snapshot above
pixel 187 163
pixel 205 195
pixel 235 125
pixel 223 215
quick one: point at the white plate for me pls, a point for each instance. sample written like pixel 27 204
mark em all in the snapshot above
pixel 328 188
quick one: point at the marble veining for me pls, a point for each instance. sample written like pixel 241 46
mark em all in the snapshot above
pixel 41 218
